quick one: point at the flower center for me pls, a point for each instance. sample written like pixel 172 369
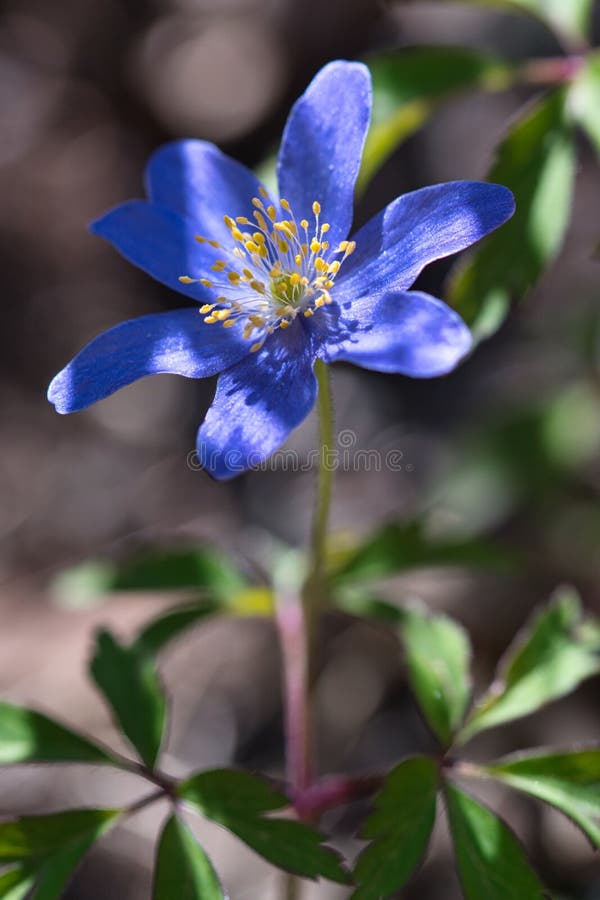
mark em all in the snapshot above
pixel 272 274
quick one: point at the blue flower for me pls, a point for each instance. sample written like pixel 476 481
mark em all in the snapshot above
pixel 278 281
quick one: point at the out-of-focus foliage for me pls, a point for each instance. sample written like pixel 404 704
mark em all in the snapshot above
pixel 569 16
pixel 586 99
pixel 409 87
pixel 30 737
pixel 537 161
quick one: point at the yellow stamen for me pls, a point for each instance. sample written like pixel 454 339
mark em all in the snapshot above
pixel 316 208
pixel 185 279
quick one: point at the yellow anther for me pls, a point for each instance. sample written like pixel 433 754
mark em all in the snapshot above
pixel 316 208
pixel 325 227
pixel 233 277
pixel 262 222
pixel 308 313
pixel 206 308
pixel 298 259
pixel 215 244
pixel 343 246
pixel 222 314
pixel 257 286
pixel 248 273
pixel 350 248
pixel 256 319
pixel 228 323
pixel 257 203
pixel 285 205
pixel 325 245
pixel 304 248
pixel 258 237
pixel 218 266
pixel 206 282
pixel 334 267
pixel 294 279
pixel 199 238
pixel 237 234
pixel 229 221
pixel 304 280
pixel 185 279
pixel 256 347
pixel 210 320
pixel 247 331
pixel 304 223
pixel 284 323
pixel 251 247
pixel 315 245
pixel 242 220
pixel 328 284
pixel 319 301
pixel 283 246
pixel 320 264
pixel 263 192
pixel 272 213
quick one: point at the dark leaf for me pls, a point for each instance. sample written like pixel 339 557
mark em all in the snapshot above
pixel 408 87
pixel 400 829
pixel 570 18
pixel 438 655
pixel 239 801
pixel 568 781
pixel 28 736
pixel 546 661
pixel 536 160
pixel 398 547
pixel 491 863
pixel 128 680
pixel 36 837
pixel 179 569
pixel 183 870
pixel 585 97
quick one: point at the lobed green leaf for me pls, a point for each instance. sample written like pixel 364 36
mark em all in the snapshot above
pixel 33 838
pixel 239 801
pixel 438 653
pixel 183 870
pixel 399 829
pixel 27 736
pixel 491 863
pixel 568 781
pixel 550 658
pixel 130 684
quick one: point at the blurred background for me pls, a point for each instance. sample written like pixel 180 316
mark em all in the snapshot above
pixel 507 448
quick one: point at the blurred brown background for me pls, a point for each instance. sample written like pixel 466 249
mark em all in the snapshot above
pixel 87 91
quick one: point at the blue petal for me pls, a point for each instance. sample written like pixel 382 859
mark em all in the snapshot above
pixel 178 342
pixel 197 181
pixel 160 242
pixel 322 145
pixel 409 333
pixel 417 229
pixel 257 403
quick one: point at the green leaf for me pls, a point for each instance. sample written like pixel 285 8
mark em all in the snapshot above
pixel 408 87
pixel 16 884
pixel 400 829
pixel 491 863
pixel 571 18
pixel 536 160
pixel 27 736
pixel 163 629
pixel 550 658
pixel 400 546
pixel 128 680
pixel 438 653
pixel 239 801
pixel 52 877
pixel 34 838
pixel 179 569
pixel 585 99
pixel 568 781
pixel 183 870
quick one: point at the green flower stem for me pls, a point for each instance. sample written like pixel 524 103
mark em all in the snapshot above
pixel 315 589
